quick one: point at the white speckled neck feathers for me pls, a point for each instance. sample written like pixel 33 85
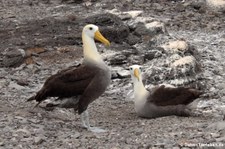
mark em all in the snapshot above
pixel 90 50
pixel 140 91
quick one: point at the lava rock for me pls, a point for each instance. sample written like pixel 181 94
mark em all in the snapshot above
pixel 111 26
pixel 117 59
pixel 149 55
pixel 141 30
pixel 133 39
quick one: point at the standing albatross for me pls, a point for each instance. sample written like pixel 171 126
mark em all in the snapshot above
pixel 78 87
pixel 161 100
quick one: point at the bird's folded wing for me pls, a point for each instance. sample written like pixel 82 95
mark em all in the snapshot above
pixel 69 82
pixel 163 96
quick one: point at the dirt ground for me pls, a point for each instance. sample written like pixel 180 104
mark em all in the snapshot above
pixel 55 26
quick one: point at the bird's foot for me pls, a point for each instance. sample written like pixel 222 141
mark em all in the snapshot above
pixel 86 124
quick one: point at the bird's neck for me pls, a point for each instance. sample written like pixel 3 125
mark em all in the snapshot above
pixel 90 50
pixel 139 89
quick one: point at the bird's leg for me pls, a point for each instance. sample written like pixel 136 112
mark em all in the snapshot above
pixel 85 119
pixel 86 124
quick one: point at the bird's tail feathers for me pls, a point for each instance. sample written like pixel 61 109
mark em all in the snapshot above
pixel 196 93
pixel 40 96
pixel 31 98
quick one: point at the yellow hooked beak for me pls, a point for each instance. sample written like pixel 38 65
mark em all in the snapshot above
pixel 136 73
pixel 99 37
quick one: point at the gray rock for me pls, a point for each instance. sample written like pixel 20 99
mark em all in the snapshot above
pixel 123 73
pixel 141 30
pixel 22 82
pixel 13 57
pixel 38 140
pixel 149 55
pixel 117 59
pixel 198 5
pixel 132 39
pixel 180 7
pixel 119 72
pixel 158 7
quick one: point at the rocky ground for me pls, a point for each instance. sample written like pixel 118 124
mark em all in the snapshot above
pixel 142 32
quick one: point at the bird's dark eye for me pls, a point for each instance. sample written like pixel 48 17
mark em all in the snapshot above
pixel 140 68
pixel 130 68
pixel 91 28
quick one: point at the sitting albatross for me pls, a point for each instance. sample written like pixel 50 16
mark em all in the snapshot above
pixel 78 87
pixel 161 100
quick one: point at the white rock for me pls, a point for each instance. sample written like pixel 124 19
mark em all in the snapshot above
pixel 123 73
pixel 175 46
pixel 155 24
pixel 187 60
pixel 114 11
pixel 215 135
pixel 134 13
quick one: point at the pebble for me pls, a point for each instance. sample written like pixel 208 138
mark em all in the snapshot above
pixel 38 140
pixel 215 135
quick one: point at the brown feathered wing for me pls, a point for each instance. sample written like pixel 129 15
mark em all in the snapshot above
pixel 66 83
pixel 163 96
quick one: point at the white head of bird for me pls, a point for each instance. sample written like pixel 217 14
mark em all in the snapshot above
pixel 135 71
pixel 136 75
pixel 89 33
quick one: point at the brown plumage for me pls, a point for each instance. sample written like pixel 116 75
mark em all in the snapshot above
pixel 162 96
pixel 161 100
